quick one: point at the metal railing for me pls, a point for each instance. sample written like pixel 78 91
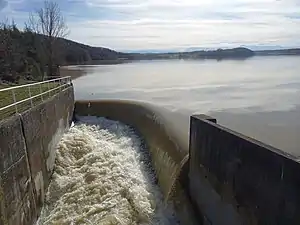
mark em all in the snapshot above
pixel 26 96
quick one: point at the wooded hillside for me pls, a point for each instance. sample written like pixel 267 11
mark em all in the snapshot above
pixel 22 54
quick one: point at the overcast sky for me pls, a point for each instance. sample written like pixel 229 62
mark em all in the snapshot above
pixel 173 24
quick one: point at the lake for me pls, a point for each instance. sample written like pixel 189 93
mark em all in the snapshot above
pixel 259 96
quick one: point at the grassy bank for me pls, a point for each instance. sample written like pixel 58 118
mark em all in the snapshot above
pixel 6 98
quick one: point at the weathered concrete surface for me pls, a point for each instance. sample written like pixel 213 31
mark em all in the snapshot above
pixel 27 154
pixel 237 180
pixel 168 152
pixel 15 187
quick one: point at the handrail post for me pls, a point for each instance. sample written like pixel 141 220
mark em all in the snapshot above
pixel 14 99
pixel 41 92
pixel 49 89
pixel 31 102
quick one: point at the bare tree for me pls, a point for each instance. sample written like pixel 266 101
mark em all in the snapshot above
pixel 48 21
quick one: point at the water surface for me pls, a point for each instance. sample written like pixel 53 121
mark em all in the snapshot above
pixel 258 96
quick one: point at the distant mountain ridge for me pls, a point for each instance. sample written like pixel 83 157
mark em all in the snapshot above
pixel 291 51
pixel 192 49
pixel 77 53
pixel 216 54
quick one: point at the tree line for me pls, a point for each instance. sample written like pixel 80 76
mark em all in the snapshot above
pixel 32 53
pixel 35 52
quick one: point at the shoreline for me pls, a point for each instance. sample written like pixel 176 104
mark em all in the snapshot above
pixel 74 73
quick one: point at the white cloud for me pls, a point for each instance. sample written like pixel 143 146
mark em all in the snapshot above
pixel 164 24
pixel 3 4
pixel 167 24
pixel 149 34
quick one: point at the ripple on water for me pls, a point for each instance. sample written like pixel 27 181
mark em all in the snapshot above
pixel 103 176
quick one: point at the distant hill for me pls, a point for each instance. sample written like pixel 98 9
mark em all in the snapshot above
pixel 263 47
pixel 77 53
pixel 217 54
pixel 23 54
pixel 257 47
pixel 292 51
pixel 233 53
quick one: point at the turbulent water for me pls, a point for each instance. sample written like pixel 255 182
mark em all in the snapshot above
pixel 103 176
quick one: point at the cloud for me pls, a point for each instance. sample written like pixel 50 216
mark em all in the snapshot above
pixel 184 23
pixel 153 24
pixel 153 33
pixel 3 4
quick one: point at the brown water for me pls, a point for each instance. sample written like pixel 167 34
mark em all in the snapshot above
pixel 258 96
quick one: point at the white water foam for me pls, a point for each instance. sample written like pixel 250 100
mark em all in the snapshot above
pixel 103 175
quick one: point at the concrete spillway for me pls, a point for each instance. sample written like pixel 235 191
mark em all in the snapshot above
pixel 104 174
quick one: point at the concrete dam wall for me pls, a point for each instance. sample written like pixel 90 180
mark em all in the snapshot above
pixel 27 154
pixel 234 179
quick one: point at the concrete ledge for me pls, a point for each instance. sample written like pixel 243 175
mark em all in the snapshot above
pixel 43 127
pixel 15 182
pixel 237 180
pixel 12 146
